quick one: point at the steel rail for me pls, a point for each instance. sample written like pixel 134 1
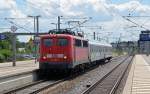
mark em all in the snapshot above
pixel 57 82
pixel 119 79
pixel 46 87
pixel 22 87
pixel 15 90
pixel 18 89
pixel 15 76
pixel 88 90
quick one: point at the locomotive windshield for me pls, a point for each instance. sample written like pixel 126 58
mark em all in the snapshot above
pixel 62 42
pixel 48 42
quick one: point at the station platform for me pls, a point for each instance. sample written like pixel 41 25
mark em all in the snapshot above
pixel 7 69
pixel 138 81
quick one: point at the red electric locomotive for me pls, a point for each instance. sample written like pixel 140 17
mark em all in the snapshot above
pixel 62 51
pixel 66 51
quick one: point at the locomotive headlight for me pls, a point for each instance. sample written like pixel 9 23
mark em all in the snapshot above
pixel 65 57
pixel 44 57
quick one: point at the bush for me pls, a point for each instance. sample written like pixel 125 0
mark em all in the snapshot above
pixel 2 57
pixel 5 54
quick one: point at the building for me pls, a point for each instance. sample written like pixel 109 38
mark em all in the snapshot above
pixel 126 46
pixel 144 42
pixel 21 49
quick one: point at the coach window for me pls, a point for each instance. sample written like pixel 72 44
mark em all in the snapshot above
pixel 48 42
pixel 62 42
pixel 78 43
pixel 85 44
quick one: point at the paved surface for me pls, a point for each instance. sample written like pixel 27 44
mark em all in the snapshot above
pixel 21 66
pixel 138 81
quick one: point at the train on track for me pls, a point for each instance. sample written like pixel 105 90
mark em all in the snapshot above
pixel 65 51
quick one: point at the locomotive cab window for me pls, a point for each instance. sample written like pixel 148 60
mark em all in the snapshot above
pixel 78 43
pixel 48 42
pixel 85 43
pixel 62 42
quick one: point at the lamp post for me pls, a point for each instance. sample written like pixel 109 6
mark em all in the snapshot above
pixel 59 17
pixel 13 29
pixel 36 29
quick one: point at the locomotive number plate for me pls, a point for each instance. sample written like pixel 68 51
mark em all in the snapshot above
pixel 55 55
pixel 60 55
pixel 49 55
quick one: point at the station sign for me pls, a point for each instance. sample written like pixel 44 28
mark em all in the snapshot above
pixel 3 37
pixel 145 37
pixel 13 28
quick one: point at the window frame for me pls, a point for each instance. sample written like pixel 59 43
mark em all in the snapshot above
pixel 62 38
pixel 77 43
pixel 44 39
pixel 85 45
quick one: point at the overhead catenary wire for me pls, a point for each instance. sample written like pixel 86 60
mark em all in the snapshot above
pixel 124 17
pixel 142 26
pixel 134 8
pixel 80 23
pixel 135 23
pixel 145 21
pixel 17 25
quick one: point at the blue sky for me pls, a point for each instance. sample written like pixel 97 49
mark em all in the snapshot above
pixel 104 13
pixel 119 1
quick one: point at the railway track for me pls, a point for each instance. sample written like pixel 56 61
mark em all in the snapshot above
pixel 9 81
pixel 34 88
pixel 38 86
pixel 108 84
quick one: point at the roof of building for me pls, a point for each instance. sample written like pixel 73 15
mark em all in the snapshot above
pixel 94 42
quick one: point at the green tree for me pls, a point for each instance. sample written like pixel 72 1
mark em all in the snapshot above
pixel 6 47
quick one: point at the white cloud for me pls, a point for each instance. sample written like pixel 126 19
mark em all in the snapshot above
pixel 131 6
pixel 10 6
pixel 17 13
pixel 78 8
pixel 67 7
pixel 116 25
pixel 98 5
pixel 48 7
pixel 5 4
